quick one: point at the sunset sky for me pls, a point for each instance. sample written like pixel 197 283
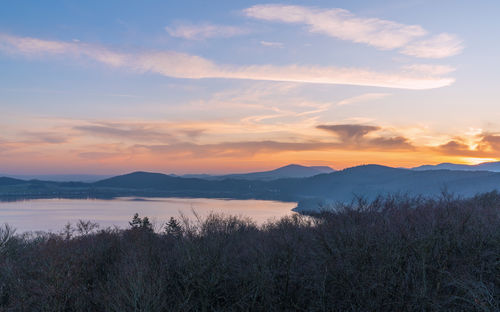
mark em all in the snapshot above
pixel 108 87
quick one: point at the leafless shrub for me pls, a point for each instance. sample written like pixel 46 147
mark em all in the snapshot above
pixel 6 234
pixel 395 253
pixel 86 227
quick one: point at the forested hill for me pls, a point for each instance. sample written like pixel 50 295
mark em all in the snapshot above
pixel 368 181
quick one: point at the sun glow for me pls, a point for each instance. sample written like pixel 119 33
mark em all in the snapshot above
pixel 477 161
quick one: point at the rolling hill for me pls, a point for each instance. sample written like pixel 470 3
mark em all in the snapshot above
pixel 488 166
pixel 367 181
pixel 10 181
pixel 289 171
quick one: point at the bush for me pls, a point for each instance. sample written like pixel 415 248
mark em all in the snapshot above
pixel 396 253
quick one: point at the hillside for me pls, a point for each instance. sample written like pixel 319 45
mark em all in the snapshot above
pixel 367 181
pixel 10 181
pixel 488 166
pixel 289 171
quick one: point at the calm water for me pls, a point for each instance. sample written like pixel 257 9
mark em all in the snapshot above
pixel 53 214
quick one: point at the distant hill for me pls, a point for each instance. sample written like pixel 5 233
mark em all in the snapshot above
pixel 59 177
pixel 289 171
pixel 10 181
pixel 149 180
pixel 488 166
pixel 367 181
pixel 372 180
pixel 158 184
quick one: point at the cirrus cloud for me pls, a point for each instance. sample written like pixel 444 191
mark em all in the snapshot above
pixel 203 31
pixel 182 65
pixel 344 25
pixel 363 98
pixel 439 46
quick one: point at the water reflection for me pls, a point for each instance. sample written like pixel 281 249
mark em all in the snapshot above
pixel 53 214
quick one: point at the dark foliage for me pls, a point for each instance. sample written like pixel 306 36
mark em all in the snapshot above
pixel 392 254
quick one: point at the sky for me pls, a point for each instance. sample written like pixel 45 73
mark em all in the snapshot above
pixel 109 87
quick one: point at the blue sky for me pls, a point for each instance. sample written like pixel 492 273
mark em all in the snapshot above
pixel 116 86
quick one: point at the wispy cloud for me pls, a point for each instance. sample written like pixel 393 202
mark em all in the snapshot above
pixel 44 137
pixel 99 155
pixel 125 132
pixel 140 131
pixel 232 149
pixel 33 140
pixel 36 47
pixel 344 25
pixel 203 31
pixel 188 66
pixel 251 148
pixel 439 46
pixel 273 44
pixel 429 69
pixel 340 24
pixel 181 65
pixel 363 98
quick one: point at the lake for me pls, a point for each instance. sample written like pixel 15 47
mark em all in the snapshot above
pixel 53 214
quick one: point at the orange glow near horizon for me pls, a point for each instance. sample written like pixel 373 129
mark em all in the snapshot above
pixel 214 147
pixel 61 162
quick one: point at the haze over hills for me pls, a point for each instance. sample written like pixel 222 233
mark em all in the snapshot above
pixel 59 177
pixel 368 181
pixel 289 171
pixel 488 166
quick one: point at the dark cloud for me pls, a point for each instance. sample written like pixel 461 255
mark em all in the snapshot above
pixel 454 147
pixel 192 133
pixel 397 142
pixel 485 145
pixel 354 136
pixel 349 132
pixel 491 140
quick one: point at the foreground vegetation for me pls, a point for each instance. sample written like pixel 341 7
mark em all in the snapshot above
pixel 393 254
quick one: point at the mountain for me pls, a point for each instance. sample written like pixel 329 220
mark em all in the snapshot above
pixel 488 166
pixel 158 184
pixel 368 181
pixel 137 180
pixel 289 171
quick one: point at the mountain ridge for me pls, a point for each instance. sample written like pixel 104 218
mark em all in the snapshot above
pixel 487 166
pixel 288 171
pixel 368 181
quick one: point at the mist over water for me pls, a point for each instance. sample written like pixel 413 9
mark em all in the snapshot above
pixel 53 214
